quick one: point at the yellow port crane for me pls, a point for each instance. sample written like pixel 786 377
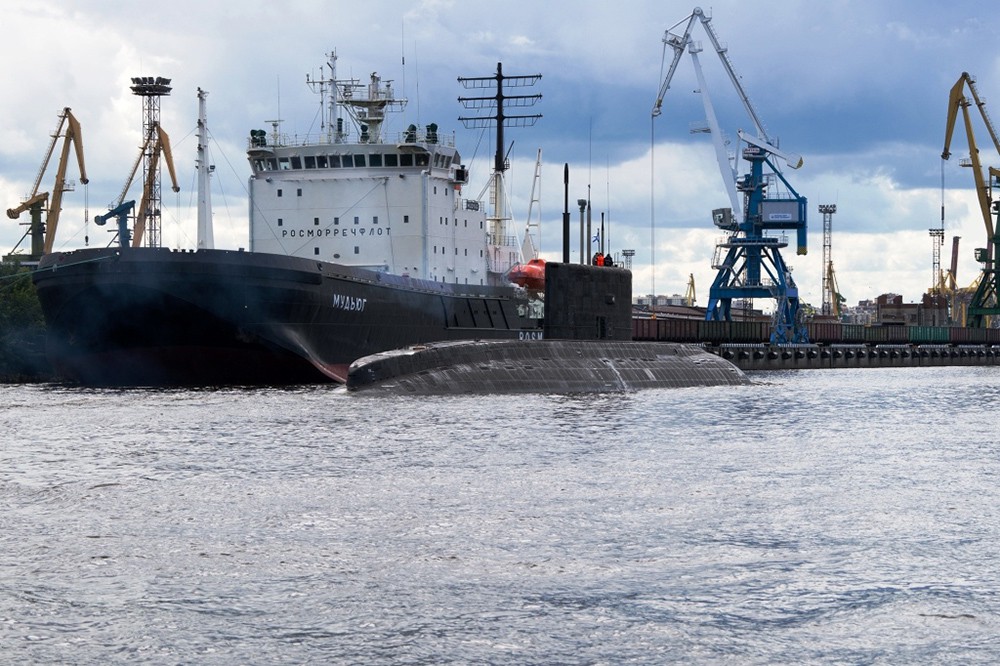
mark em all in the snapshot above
pixel 69 130
pixel 837 300
pixel 689 295
pixel 984 301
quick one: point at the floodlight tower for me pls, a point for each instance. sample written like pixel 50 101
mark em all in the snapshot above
pixel 151 89
pixel 827 210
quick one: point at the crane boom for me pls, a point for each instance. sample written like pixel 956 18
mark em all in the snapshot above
pixel 679 43
pixel 73 135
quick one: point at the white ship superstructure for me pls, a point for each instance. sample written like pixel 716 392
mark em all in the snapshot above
pixel 354 196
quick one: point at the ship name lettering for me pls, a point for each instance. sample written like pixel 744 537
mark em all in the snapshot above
pixel 530 335
pixel 349 303
pixel 361 231
pixel 305 233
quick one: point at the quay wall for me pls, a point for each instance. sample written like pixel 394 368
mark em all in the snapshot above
pixel 804 357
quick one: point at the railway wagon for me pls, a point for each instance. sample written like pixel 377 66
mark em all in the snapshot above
pixel 734 332
pixel 827 333
pixel 922 335
pixel 665 329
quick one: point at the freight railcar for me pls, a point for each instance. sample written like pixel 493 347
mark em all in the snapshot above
pixel 820 333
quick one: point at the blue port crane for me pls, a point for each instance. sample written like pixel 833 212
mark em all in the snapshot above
pixel 120 213
pixel 748 261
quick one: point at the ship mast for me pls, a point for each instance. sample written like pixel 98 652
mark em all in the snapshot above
pixel 206 240
pixel 499 218
pixel 366 105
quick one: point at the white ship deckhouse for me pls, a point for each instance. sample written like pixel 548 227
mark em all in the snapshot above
pixel 355 197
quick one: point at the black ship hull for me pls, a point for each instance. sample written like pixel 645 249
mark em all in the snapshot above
pixel 152 316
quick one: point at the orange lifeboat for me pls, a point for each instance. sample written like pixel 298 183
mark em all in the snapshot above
pixel 530 275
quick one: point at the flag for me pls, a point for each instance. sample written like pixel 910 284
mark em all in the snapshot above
pixel 596 238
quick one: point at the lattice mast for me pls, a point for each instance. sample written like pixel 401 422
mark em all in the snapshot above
pixel 151 89
pixel 828 293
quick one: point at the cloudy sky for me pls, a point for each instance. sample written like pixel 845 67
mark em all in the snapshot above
pixel 859 89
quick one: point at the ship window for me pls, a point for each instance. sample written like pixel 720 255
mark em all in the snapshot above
pixel 298 192
pixel 423 159
pixel 272 164
pixel 406 160
pixel 321 162
pixel 280 222
pixel 357 250
pixel 375 160
pixel 315 250
pixel 336 221
pixel 316 221
pixel 296 162
pixel 357 220
pixel 279 191
pixel 310 161
pixel 435 249
pixel 359 160
pixel 466 251
pixel 447 161
pixel 259 165
pixel 406 219
pixel 334 161
pixel 374 219
pixel 456 251
pixel 283 163
pixel 435 189
pixel 466 225
pixel 480 224
pixel 392 160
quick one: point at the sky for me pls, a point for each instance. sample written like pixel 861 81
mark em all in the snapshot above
pixel 858 89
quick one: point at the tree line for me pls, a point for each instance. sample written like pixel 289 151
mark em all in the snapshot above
pixel 22 328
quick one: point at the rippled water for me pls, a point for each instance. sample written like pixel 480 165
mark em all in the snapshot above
pixel 813 517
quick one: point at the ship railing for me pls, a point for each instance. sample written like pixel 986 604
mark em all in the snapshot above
pixel 502 240
pixel 423 136
pixel 284 140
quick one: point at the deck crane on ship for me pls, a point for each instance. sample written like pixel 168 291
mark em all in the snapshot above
pixel 984 301
pixel 752 266
pixel 43 235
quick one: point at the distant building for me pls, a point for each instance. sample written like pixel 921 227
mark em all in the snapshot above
pixel 649 300
pixel 890 309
